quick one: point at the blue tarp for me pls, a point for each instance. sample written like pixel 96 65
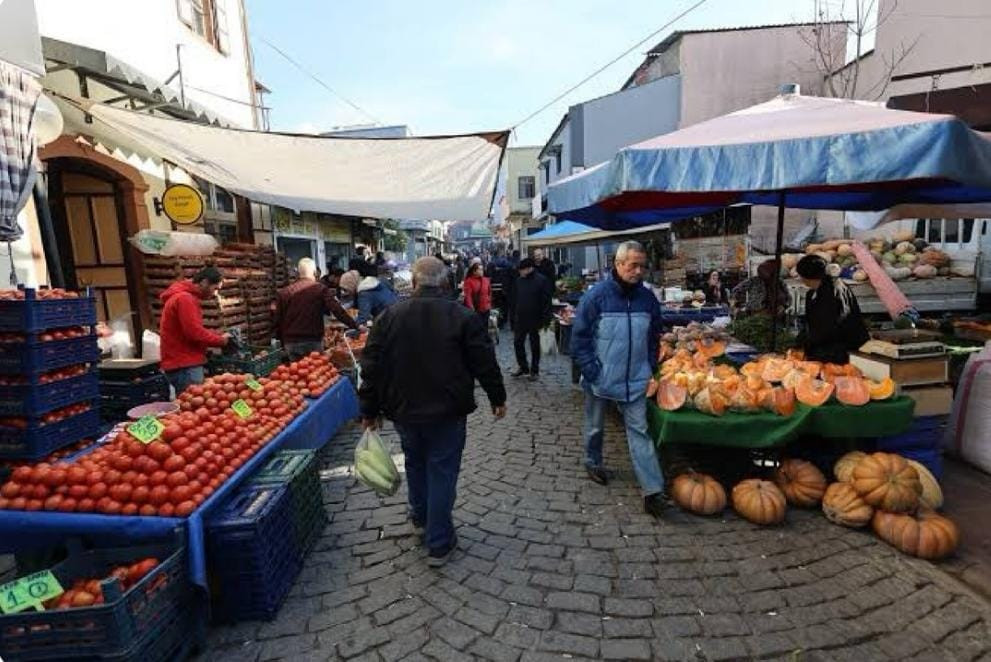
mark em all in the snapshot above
pixel 314 427
pixel 804 152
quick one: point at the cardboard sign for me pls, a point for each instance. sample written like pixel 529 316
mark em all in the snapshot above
pixel 146 429
pixel 241 408
pixel 29 591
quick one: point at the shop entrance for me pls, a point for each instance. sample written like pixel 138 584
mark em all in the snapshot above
pixel 295 249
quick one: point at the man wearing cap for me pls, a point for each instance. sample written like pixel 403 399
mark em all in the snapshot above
pixel 532 312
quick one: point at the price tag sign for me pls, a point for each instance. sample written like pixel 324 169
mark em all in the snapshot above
pixel 146 429
pixel 241 408
pixel 253 384
pixel 29 591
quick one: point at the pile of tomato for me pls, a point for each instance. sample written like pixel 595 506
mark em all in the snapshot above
pixel 200 447
pixel 71 449
pixel 47 377
pixel 22 422
pixel 46 293
pixel 311 375
pixel 88 592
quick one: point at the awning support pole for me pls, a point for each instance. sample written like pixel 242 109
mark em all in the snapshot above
pixel 776 285
pixel 47 228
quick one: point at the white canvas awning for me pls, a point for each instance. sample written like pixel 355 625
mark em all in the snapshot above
pixel 447 178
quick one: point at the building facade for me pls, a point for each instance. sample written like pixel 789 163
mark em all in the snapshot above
pixel 522 194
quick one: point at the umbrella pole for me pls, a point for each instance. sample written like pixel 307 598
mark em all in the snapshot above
pixel 776 285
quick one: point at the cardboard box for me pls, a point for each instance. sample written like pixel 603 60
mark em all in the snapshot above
pixel 907 372
pixel 931 400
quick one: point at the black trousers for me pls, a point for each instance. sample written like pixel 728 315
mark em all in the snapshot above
pixel 519 344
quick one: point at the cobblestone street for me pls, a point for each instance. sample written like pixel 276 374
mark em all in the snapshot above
pixel 552 566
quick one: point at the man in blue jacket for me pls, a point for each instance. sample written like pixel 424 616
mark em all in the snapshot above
pixel 614 339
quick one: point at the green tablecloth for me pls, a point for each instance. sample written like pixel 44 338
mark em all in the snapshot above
pixel 875 419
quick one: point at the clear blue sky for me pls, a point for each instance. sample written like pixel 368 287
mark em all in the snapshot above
pixel 446 66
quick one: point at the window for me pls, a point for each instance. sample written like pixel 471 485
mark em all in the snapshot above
pixel 207 18
pixel 526 188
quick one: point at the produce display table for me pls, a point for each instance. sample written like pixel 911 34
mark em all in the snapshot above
pixel 23 531
pixel 683 316
pixel 767 430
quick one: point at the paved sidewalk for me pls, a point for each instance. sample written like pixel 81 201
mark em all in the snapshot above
pixel 552 567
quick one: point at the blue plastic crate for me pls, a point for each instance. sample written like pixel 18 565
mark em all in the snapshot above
pixel 34 314
pixel 930 458
pixel 116 630
pixel 298 470
pixel 252 553
pixel 34 356
pixel 149 389
pixel 37 441
pixel 34 399
pixel 926 432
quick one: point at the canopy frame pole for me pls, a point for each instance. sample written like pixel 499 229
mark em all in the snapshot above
pixel 776 285
pixel 47 230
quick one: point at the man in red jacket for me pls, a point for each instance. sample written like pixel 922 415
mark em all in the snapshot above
pixel 184 338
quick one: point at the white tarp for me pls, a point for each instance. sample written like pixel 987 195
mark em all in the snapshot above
pixel 448 178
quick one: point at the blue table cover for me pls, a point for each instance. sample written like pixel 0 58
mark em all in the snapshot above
pixel 312 429
pixel 682 316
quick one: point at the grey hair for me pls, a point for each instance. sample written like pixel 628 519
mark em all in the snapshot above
pixel 629 247
pixel 307 267
pixel 429 272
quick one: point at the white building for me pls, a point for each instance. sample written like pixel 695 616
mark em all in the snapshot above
pixel 522 193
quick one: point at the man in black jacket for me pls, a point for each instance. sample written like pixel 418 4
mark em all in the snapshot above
pixel 532 312
pixel 544 266
pixel 419 368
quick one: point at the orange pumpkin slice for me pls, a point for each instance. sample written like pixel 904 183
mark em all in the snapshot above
pixel 723 372
pixel 752 369
pixel 710 401
pixel 881 390
pixel 792 378
pixel 813 392
pixel 651 388
pixel 795 355
pixel 780 401
pixel 744 400
pixel 811 368
pixel 776 369
pixel 670 396
pixel 712 348
pixel 852 391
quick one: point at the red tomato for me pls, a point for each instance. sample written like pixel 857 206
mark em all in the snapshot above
pixel 122 462
pixel 53 502
pixel 166 510
pixel 133 447
pixel 159 451
pixel 111 507
pixel 68 505
pixel 111 476
pixel 147 510
pixel 40 473
pixel 22 474
pixel 185 509
pixel 158 478
pixel 158 495
pixel 121 492
pixel 78 491
pixel 129 509
pixel 177 478
pixel 41 492
pixel 173 463
pixel 180 443
pixel 33 504
pixel 140 479
pixel 189 454
pixel 94 477
pixel 139 494
pixel 97 491
pixel 172 431
pixel 10 490
pixel 86 505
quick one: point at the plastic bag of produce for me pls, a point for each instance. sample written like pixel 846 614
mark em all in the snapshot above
pixel 969 434
pixel 373 464
pixel 548 342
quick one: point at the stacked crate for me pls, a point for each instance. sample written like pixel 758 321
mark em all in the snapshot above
pixel 49 390
pixel 280 269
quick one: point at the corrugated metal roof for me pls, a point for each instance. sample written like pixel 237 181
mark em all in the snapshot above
pixel 677 34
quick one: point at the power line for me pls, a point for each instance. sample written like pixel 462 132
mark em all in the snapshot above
pixel 610 63
pixel 317 79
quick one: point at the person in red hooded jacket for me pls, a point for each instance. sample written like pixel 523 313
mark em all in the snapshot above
pixel 184 338
pixel 478 292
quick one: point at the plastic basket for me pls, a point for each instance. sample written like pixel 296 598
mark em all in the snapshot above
pixel 298 470
pixel 37 441
pixel 114 630
pixel 34 399
pixel 34 356
pixel 252 554
pixel 33 314
pixel 259 367
pixel 117 397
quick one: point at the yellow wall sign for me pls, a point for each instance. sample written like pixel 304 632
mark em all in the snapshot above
pixel 182 204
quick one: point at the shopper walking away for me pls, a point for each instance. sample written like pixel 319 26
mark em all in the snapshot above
pixel 614 339
pixel 418 369
pixel 532 312
pixel 544 266
pixel 478 292
pixel 299 311
pixel 184 338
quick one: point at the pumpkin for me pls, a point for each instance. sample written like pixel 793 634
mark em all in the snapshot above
pixel 780 400
pixel 852 391
pixel 813 392
pixel 700 360
pixel 651 387
pixel 860 275
pixel 842 505
pixel 903 235
pixel 844 250
pixel 759 501
pixel 925 271
pixel 925 534
pixel 792 379
pixel 752 369
pixel 932 495
pixel 744 400
pixel 723 372
pixel 698 493
pixel 830 371
pixel 881 390
pixel 843 469
pixel 802 483
pixel 795 355
pixel 904 247
pixel 888 482
pixel 713 348
pixel 711 401
pixel 670 396
pixel 810 368
pixel 776 369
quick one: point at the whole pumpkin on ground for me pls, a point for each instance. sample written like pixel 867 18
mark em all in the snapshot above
pixel 932 495
pixel 925 534
pixel 843 469
pixel 852 391
pixel 842 505
pixel 759 501
pixel 887 482
pixel 801 482
pixel 698 493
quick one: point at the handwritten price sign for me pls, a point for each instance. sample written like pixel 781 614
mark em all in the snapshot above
pixel 253 384
pixel 241 408
pixel 29 591
pixel 146 429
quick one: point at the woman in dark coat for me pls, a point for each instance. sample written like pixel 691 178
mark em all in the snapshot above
pixel 716 294
pixel 833 324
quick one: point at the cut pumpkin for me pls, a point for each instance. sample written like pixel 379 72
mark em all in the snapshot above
pixel 744 400
pixel 830 371
pixel 792 378
pixel 813 392
pixel 776 369
pixel 723 372
pixel 670 396
pixel 752 369
pixel 779 400
pixel 713 348
pixel 852 391
pixel 810 368
pixel 881 390
pixel 795 355
pixel 710 401
pixel 651 388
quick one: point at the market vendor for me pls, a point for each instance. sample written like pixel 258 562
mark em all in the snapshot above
pixel 184 338
pixel 300 309
pixel 756 294
pixel 716 294
pixel 369 294
pixel 833 324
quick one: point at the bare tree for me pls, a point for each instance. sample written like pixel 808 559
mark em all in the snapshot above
pixel 830 23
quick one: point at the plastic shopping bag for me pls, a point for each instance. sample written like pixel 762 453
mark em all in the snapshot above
pixel 373 464
pixel 548 342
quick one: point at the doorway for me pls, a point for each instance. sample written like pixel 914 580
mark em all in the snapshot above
pixel 90 229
